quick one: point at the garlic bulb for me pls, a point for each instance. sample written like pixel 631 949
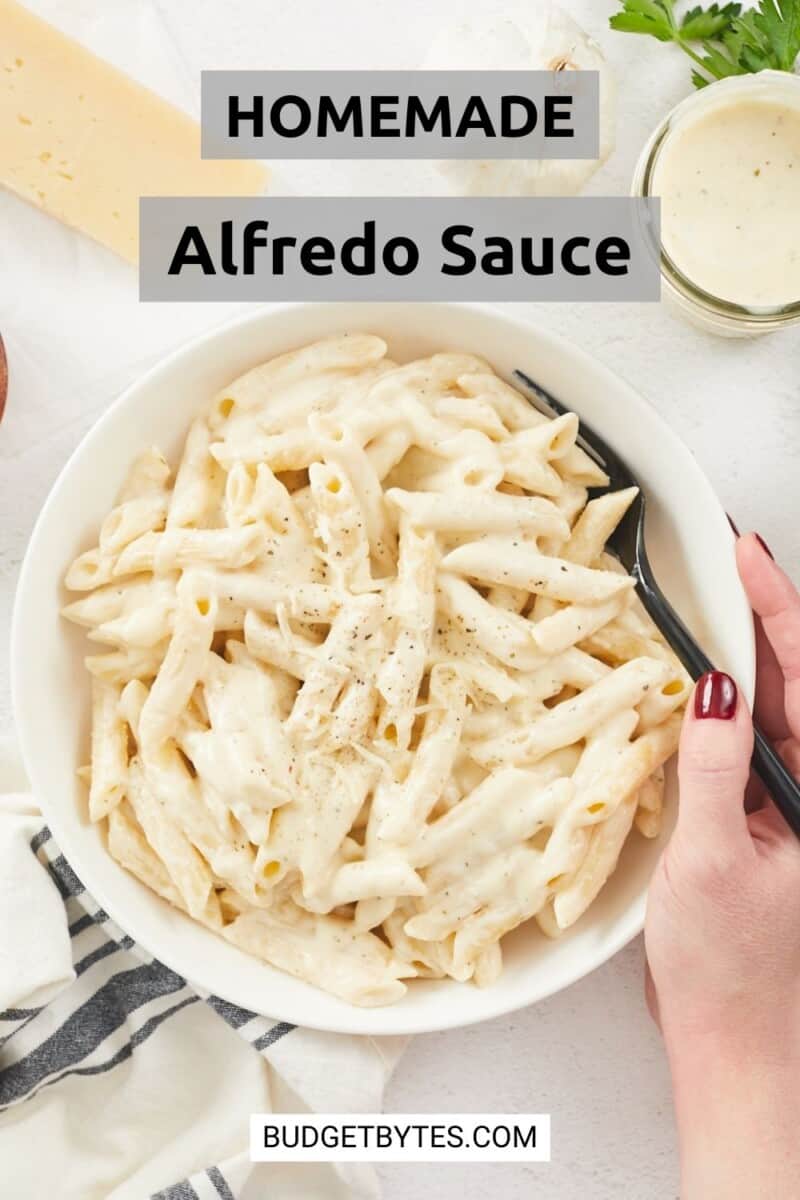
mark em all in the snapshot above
pixel 521 35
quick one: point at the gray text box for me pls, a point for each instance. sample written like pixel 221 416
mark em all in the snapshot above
pixel 381 104
pixel 313 264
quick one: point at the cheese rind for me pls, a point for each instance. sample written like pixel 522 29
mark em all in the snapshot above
pixel 83 141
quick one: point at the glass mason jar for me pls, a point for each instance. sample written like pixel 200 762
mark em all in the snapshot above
pixel 710 312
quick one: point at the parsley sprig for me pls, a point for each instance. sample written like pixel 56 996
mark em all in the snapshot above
pixel 720 39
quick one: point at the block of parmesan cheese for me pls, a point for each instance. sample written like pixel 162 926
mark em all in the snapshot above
pixel 83 141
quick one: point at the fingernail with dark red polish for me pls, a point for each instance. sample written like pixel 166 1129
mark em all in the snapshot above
pixel 764 546
pixel 715 696
pixel 732 524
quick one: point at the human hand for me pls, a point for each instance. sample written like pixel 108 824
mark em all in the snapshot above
pixel 723 921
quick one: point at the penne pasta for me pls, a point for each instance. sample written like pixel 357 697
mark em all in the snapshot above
pixel 183 548
pixel 513 564
pixel 411 609
pixel 371 692
pixel 575 718
pixel 182 666
pixel 198 480
pixel 464 512
pixel 109 750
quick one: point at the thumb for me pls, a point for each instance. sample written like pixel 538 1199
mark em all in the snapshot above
pixel 714 763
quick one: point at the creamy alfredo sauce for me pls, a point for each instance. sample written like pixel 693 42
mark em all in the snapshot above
pixel 729 179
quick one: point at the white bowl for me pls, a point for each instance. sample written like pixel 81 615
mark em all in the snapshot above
pixel 691 548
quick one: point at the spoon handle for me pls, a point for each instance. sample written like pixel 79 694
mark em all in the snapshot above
pixel 767 764
pixel 779 782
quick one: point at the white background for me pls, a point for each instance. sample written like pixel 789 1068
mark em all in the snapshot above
pixel 589 1056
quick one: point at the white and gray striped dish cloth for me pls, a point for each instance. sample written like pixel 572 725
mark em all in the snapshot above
pixel 120 1081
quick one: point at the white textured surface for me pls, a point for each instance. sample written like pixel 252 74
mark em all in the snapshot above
pixel 588 1056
